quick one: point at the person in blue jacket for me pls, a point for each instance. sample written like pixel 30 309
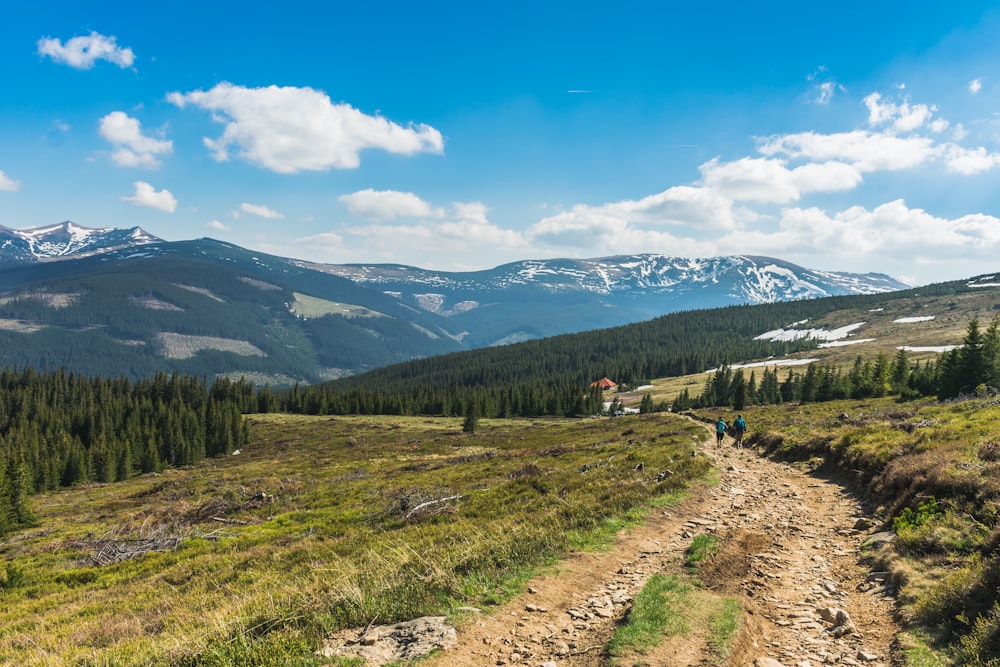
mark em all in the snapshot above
pixel 720 430
pixel 739 428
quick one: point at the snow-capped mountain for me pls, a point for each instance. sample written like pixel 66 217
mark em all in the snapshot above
pixel 67 239
pixel 735 279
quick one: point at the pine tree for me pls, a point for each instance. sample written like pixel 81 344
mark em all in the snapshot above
pixel 471 420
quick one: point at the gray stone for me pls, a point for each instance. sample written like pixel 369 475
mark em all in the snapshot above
pixel 767 662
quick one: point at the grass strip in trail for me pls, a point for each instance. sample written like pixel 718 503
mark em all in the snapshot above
pixel 322 524
pixel 932 472
pixel 659 610
pixel 671 605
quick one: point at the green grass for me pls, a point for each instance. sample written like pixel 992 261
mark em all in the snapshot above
pixel 674 606
pixel 702 547
pixel 370 517
pixel 724 626
pixel 658 611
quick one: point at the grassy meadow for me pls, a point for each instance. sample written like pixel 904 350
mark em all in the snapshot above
pixel 322 524
pixel 932 474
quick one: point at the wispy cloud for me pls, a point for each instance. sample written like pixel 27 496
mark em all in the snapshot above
pixel 83 51
pixel 218 226
pixel 975 86
pixel 261 211
pixel 132 148
pixel 8 184
pixel 289 129
pixel 146 195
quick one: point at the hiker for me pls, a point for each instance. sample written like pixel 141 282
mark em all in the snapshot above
pixel 739 427
pixel 720 430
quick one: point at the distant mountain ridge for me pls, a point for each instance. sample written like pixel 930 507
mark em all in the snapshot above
pixel 67 239
pixel 125 301
pixel 602 292
pixel 754 279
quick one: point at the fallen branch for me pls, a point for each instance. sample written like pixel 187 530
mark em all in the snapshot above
pixel 234 521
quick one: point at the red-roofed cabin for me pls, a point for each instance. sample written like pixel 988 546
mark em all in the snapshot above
pixel 604 383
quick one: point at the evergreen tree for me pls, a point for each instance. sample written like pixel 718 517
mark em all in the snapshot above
pixel 471 421
pixel 738 391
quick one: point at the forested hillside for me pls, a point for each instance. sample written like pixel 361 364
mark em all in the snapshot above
pixel 59 429
pixel 546 376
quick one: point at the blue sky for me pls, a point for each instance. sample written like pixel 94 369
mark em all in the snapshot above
pixel 852 136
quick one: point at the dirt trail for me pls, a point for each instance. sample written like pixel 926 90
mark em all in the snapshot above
pixel 790 555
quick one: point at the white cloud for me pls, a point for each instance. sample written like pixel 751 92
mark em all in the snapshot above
pixel 901 117
pixel 146 195
pixel 770 180
pixel 456 240
pixel 132 148
pixel 218 226
pixel 9 184
pixel 975 86
pixel 384 205
pixel 261 211
pixel 892 231
pixel 868 151
pixel 695 207
pixel 289 129
pixel 969 161
pixel 824 92
pixel 83 51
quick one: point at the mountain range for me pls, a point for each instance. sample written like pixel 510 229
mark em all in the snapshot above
pixel 122 301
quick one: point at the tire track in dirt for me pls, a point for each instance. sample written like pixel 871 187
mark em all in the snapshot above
pixel 790 554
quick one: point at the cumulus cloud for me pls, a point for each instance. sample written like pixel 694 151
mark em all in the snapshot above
pixel 8 184
pixel 975 86
pixel 867 151
pixel 901 117
pixel 770 180
pixel 384 205
pixel 132 148
pixel 83 51
pixel 261 211
pixel 892 230
pixel 463 232
pixel 289 129
pixel 146 195
pixel 968 161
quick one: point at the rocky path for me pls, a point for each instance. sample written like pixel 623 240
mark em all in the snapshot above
pixel 791 556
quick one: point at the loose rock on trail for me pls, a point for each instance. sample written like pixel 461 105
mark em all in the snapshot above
pixel 790 553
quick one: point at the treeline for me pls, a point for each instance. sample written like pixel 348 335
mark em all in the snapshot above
pixel 972 368
pixel 59 429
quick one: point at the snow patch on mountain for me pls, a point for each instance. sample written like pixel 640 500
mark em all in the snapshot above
pixel 817 334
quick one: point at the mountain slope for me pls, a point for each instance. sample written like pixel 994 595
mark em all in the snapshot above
pixel 205 307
